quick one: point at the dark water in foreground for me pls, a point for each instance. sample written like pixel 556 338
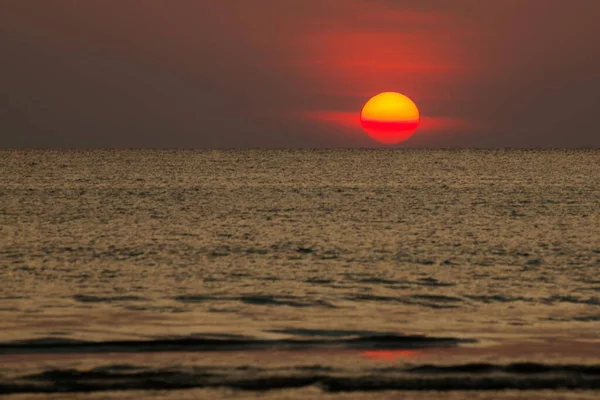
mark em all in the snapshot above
pixel 311 274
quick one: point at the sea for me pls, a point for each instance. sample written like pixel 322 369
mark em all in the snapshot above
pixel 300 274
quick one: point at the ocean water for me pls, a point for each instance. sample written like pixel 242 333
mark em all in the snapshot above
pixel 300 274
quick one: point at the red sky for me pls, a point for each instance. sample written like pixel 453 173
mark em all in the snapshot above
pixel 291 73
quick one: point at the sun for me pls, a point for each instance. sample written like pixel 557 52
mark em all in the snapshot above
pixel 390 118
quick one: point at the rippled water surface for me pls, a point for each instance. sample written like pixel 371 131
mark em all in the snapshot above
pixel 307 272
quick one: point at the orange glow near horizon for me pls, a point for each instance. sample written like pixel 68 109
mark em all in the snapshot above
pixel 390 118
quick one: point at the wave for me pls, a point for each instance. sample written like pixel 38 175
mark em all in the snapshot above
pixel 422 300
pixel 229 343
pixel 261 300
pixel 482 377
pixel 426 300
pixel 83 298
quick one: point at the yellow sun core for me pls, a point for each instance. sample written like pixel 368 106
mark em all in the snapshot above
pixel 390 118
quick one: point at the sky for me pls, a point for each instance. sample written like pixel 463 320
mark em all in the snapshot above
pixel 296 73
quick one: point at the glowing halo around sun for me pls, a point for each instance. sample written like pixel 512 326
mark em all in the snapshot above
pixel 390 118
